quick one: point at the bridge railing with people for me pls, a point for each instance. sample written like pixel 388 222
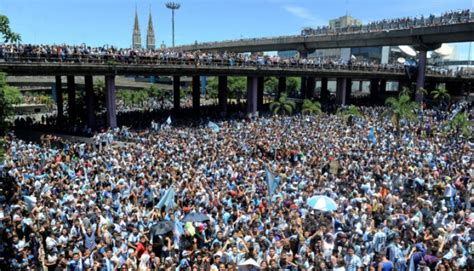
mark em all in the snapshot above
pixel 282 63
pixel 447 18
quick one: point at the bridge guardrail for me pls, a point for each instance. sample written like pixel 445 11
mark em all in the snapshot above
pixel 120 60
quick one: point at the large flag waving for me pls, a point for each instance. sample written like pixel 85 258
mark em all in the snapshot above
pixel 214 127
pixel 167 200
pixel 371 136
pixel 272 182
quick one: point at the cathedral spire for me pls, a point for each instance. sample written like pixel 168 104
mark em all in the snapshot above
pixel 137 38
pixel 150 35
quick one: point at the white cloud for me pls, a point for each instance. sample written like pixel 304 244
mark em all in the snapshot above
pixel 304 14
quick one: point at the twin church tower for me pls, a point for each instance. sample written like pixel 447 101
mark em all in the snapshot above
pixel 137 37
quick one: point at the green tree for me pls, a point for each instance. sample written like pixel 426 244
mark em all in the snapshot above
pixel 159 93
pixel 405 91
pixel 441 95
pixel 349 112
pixel 237 86
pixel 8 34
pixel 282 105
pixel 99 96
pixel 8 96
pixel 271 85
pixel 461 124
pixel 46 100
pixel 421 93
pixel 310 107
pixel 293 85
pixel 401 108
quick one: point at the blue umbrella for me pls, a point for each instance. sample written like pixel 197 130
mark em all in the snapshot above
pixel 195 217
pixel 322 203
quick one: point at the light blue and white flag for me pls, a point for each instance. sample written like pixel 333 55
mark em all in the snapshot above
pixel 272 182
pixel 371 136
pixel 167 200
pixel 214 127
pixel 30 202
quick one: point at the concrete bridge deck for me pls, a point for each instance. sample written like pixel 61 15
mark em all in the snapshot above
pixel 82 69
pixel 461 32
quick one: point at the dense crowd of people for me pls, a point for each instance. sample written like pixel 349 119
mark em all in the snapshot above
pixel 450 17
pixel 110 55
pixel 234 195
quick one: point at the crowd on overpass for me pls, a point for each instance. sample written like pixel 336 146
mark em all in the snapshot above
pixel 28 53
pixel 451 17
pixel 239 194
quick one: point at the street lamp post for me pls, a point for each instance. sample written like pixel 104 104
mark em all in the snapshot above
pixel 173 6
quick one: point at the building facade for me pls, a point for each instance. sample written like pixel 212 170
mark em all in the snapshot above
pixel 344 21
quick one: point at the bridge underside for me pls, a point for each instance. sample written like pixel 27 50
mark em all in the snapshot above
pixel 44 69
pixel 345 79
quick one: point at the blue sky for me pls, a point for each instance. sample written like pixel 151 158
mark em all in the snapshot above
pixel 99 22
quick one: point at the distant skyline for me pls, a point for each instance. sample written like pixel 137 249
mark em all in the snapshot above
pixel 100 22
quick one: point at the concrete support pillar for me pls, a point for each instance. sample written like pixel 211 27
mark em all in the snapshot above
pixel 348 91
pixel 110 101
pixel 59 98
pixel 304 87
pixel 252 86
pixel 420 80
pixel 383 86
pixel 310 85
pixel 90 110
pixel 260 88
pixel 281 85
pixel 374 89
pixel 71 98
pixel 324 90
pixel 222 90
pixel 196 93
pixel 303 53
pixel 176 88
pixel 341 84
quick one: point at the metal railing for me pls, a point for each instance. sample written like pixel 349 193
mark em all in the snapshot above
pixel 112 60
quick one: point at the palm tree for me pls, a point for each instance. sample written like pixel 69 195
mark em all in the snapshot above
pixel 282 105
pixel 401 108
pixel 420 94
pixel 441 94
pixel 349 112
pixel 461 124
pixel 310 107
pixel 405 91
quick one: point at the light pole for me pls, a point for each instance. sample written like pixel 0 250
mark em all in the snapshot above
pixel 173 6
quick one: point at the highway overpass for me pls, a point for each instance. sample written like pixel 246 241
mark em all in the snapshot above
pixel 422 36
pixel 344 76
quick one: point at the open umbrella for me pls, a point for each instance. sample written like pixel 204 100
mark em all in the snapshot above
pixel 195 217
pixel 322 203
pixel 162 227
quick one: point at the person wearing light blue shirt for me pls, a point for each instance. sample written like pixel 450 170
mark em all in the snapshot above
pixel 352 261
